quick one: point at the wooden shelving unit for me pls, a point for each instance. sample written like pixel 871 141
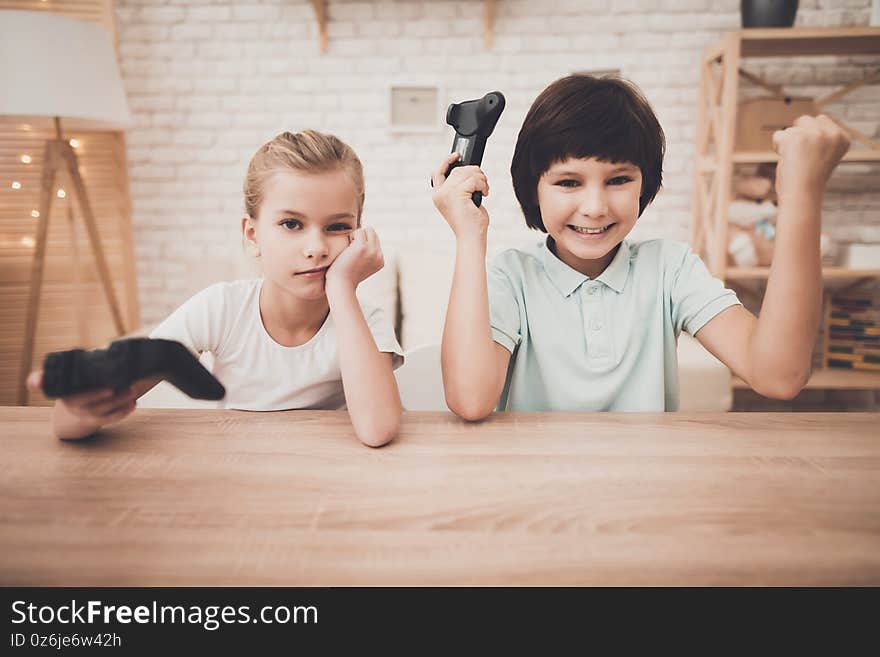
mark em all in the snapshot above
pixel 716 157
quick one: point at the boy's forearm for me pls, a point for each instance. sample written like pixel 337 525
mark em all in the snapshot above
pixel 467 353
pixel 371 392
pixel 785 335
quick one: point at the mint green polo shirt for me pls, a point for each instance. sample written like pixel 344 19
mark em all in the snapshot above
pixel 604 344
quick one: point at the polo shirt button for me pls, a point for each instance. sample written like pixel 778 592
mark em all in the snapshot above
pixel 596 325
pixel 591 290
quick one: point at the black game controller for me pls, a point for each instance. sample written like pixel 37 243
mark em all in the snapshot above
pixel 124 362
pixel 474 121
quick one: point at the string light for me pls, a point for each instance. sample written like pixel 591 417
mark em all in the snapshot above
pixel 28 242
pixel 35 214
pixel 25 159
pixel 74 142
pixel 61 193
pixel 16 184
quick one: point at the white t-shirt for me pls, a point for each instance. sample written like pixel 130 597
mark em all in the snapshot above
pixel 259 374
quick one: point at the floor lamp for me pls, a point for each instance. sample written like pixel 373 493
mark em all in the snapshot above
pixel 63 69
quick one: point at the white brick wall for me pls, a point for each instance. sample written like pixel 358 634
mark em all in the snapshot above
pixel 209 81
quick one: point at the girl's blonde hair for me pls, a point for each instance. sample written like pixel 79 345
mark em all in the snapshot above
pixel 309 151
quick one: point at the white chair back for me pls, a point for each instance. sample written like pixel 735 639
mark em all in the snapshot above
pixel 420 380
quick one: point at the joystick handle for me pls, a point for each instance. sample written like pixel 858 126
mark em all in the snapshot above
pixel 473 121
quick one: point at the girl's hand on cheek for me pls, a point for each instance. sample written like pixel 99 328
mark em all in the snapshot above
pixel 359 260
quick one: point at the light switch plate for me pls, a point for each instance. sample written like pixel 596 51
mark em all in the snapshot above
pixel 414 108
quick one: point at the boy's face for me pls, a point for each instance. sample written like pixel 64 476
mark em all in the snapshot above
pixel 304 223
pixel 589 207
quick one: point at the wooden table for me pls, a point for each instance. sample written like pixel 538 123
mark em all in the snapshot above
pixel 193 497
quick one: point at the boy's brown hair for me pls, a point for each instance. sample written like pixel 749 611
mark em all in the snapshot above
pixel 581 116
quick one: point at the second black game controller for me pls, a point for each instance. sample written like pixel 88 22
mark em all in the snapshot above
pixel 125 361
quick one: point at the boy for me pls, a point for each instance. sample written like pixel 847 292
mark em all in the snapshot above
pixel 588 320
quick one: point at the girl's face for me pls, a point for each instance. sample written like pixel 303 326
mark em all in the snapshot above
pixel 589 207
pixel 303 223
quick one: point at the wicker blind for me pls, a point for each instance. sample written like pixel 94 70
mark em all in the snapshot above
pixel 73 309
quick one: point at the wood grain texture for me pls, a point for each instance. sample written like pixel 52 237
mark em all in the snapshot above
pixel 797 42
pixel 193 497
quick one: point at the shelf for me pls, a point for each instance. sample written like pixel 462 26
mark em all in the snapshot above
pixel 789 42
pixel 828 273
pixel 759 157
pixel 321 16
pixel 826 378
pixel 717 159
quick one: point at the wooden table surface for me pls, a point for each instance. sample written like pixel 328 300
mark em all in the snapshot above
pixel 194 497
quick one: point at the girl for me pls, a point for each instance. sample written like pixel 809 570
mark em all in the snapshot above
pixel 587 319
pixel 297 337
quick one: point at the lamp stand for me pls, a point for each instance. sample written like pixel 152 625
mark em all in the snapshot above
pixel 59 156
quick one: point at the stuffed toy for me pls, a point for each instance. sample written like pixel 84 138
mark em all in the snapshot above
pixel 752 217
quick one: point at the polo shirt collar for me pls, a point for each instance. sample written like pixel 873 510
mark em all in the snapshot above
pixel 567 280
pixel 616 273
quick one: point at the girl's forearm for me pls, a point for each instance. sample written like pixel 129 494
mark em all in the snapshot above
pixel 371 392
pixel 468 351
pixel 782 343
pixel 68 426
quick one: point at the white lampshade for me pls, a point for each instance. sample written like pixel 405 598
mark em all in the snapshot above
pixel 52 65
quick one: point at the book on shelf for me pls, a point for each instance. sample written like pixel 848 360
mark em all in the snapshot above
pixel 853 323
pixel 855 358
pixel 855 307
pixel 853 333
pixel 861 337
pixel 848 364
pixel 866 350
pixel 861 316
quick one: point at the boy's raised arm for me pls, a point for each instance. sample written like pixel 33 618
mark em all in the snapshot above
pixel 773 353
pixel 474 365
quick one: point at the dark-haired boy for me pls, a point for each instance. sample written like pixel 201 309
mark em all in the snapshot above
pixel 588 320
